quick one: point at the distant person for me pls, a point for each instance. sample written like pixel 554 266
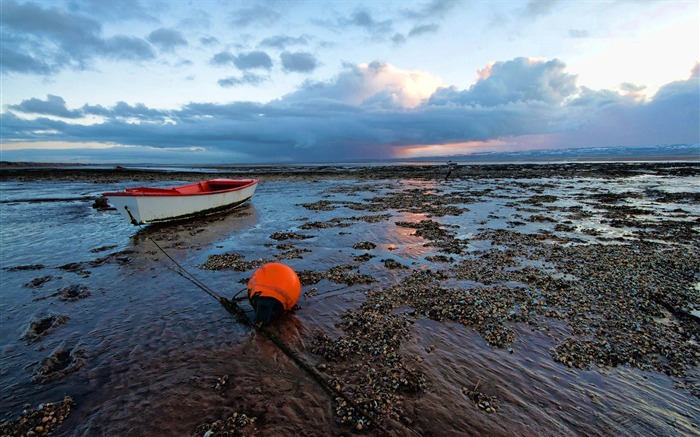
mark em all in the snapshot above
pixel 451 165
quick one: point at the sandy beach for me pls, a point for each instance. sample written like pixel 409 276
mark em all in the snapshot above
pixel 529 299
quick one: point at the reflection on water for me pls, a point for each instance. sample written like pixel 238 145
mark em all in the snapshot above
pixel 155 346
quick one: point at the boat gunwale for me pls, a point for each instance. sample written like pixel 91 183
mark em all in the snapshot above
pixel 173 191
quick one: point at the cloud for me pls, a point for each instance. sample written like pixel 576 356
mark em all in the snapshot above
pixel 375 84
pixel 253 60
pixel 122 111
pixel 43 41
pixel 127 48
pixel 416 31
pixel 166 40
pixel 127 10
pixel 246 79
pixel 363 19
pixel 257 14
pixel 53 105
pixel 424 19
pixel 538 8
pixel 197 19
pixel 222 59
pixel 18 61
pixel 244 61
pixel 670 116
pixel 283 41
pixel 578 33
pixel 377 110
pixel 630 89
pixel 423 29
pixel 517 80
pixel 209 41
pixel 398 38
pixel 300 62
pixel 433 9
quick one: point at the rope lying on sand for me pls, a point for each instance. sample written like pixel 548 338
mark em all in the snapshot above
pixel 235 309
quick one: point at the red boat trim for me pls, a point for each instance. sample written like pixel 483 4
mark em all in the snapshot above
pixel 204 188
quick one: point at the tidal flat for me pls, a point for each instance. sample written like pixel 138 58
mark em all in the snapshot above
pixel 528 299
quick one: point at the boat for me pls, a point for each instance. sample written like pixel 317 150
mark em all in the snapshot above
pixel 143 205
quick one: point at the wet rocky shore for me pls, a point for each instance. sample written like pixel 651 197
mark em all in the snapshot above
pixel 579 270
pixel 32 172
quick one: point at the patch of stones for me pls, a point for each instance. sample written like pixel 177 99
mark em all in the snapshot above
pixel 237 424
pixel 364 245
pixel 343 274
pixel 381 377
pixel 232 261
pixel 625 304
pixel 339 222
pixel 40 421
pixel 283 236
pixel 363 258
pixel 392 264
pixel 437 234
pixel 480 399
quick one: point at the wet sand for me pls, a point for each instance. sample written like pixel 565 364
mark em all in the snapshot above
pixel 539 299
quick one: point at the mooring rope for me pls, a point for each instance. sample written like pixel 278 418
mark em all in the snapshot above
pixel 233 308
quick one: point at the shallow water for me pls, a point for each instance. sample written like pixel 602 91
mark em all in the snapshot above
pixel 154 345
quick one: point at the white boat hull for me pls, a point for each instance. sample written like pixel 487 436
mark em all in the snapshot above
pixel 156 209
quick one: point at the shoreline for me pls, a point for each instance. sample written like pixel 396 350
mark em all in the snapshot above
pixel 508 297
pixel 470 171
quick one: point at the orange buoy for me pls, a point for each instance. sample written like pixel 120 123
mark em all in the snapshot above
pixel 273 289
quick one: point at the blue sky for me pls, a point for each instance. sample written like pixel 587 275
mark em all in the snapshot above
pixel 296 81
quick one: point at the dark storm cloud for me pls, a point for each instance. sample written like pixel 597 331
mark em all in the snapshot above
pixel 46 40
pixel 327 121
pixel 166 40
pixel 300 62
pixel 671 116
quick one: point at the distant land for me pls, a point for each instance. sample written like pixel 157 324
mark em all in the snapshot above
pixel 663 152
